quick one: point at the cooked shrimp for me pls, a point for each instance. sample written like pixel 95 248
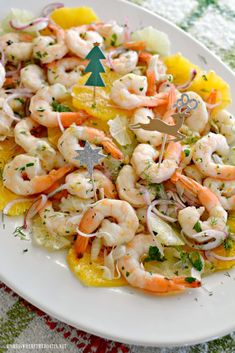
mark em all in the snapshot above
pixel 17 46
pixel 33 77
pixel 115 220
pixel 122 61
pixel 156 72
pixel 47 48
pixel 189 217
pixel 192 172
pixel 129 92
pixel 223 122
pixel 142 115
pixel 113 34
pixel 5 121
pixel 128 189
pixel 2 75
pixel 24 175
pixel 79 183
pixel 225 191
pixel 65 71
pixel 69 142
pixel 42 104
pixel 80 40
pixel 59 223
pixel 197 118
pixel 35 146
pixel 203 153
pixel 143 161
pixel 133 270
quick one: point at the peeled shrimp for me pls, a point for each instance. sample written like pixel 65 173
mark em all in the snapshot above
pixel 79 183
pixel 32 77
pixel 197 118
pixel 24 175
pixel 225 191
pixel 142 115
pixel 68 143
pixel 202 157
pixel 59 223
pixel 128 189
pixel 65 71
pixel 47 48
pixel 224 123
pixel 113 34
pixel 117 231
pixel 129 92
pixel 35 146
pixel 190 216
pixel 80 40
pixel 133 270
pixel 123 62
pixel 143 161
pixel 41 107
pixel 5 121
pixel 17 46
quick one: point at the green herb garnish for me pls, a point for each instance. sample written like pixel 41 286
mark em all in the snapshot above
pixel 190 279
pixel 196 260
pixel 197 227
pixel 58 107
pixel 154 255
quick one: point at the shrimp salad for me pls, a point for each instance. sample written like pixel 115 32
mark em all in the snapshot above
pixel 158 213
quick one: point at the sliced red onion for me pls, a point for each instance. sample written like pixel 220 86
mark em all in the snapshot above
pixel 60 188
pixel 34 209
pixel 51 7
pixel 218 237
pixel 146 195
pixel 7 208
pixel 109 61
pixel 14 72
pixel 59 122
pixel 127 31
pixel 96 234
pixel 219 257
pixel 176 198
pixel 6 107
pixel 39 24
pixel 164 217
pixel 185 85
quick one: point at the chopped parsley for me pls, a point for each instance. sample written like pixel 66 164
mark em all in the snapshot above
pixel 113 39
pixel 190 279
pixel 127 273
pixel 58 107
pixel 154 255
pixel 29 164
pixel 204 78
pixel 196 260
pixel 187 152
pixel 228 244
pixel 197 227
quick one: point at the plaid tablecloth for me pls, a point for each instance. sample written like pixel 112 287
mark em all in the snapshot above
pixel 24 328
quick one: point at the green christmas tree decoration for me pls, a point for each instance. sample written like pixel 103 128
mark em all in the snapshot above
pixel 95 67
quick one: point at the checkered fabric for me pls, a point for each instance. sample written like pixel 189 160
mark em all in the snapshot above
pixel 24 328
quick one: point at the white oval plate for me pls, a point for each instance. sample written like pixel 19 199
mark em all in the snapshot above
pixel 121 314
